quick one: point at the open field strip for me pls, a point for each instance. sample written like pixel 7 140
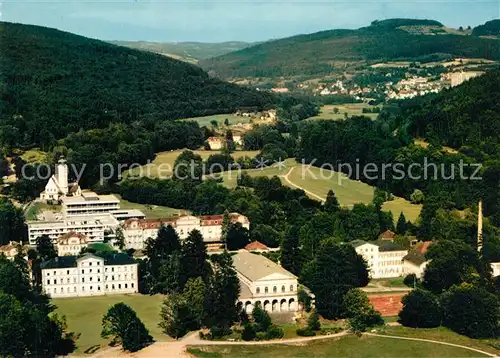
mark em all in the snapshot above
pixel 84 315
pixel 352 109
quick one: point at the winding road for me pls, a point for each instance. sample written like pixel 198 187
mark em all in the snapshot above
pixel 287 179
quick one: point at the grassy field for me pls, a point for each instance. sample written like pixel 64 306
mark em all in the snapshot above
pixel 84 315
pixel 34 156
pixel 319 182
pixel 220 118
pixel 352 109
pixel 444 335
pixel 348 346
pixel 161 166
pixel 151 211
pixel 388 282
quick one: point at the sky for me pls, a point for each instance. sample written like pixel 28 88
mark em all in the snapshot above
pixel 236 20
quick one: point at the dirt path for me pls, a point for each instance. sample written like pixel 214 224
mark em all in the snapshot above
pixel 299 187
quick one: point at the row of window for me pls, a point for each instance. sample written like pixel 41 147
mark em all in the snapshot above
pixel 90 279
pixel 124 268
pixel 275 289
pixel 91 288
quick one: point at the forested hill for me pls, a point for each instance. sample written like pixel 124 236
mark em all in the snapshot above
pixel 465 115
pixel 321 52
pixel 54 82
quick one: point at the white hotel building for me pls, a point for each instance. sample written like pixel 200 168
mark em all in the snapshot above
pixel 89 275
pixel 89 203
pixel 137 231
pixel 92 227
pixel 384 258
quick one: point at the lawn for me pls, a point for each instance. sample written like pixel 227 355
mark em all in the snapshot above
pixel 34 209
pixel 151 211
pixel 388 282
pixel 444 335
pixel 162 165
pixel 34 156
pixel 348 346
pixel 352 109
pixel 84 315
pixel 220 118
pixel 319 182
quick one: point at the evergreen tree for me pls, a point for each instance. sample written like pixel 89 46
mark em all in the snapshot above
pixel 331 204
pixel 194 293
pixel 119 238
pixel 45 248
pixel 194 256
pixel 313 321
pixel 170 277
pixel 122 325
pixel 401 224
pixel 175 316
pixel 166 242
pixel 291 258
pixel 331 274
pixel 261 318
pixel 237 237
pixel 361 314
pixel 226 224
pixel 223 289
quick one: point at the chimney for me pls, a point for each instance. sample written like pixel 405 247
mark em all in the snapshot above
pixel 480 227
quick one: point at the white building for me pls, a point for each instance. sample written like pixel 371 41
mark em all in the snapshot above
pixel 457 78
pixel 266 283
pixel 58 187
pixel 71 244
pixel 89 203
pixel 94 227
pixel 415 262
pixel 89 275
pixel 384 258
pixel 137 231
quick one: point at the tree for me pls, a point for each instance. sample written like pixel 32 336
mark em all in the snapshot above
pixel 214 123
pixel 421 309
pixel 194 293
pixel 471 311
pixel 361 314
pixel 453 262
pixel 304 299
pixel 417 196
pixel 119 238
pixel 261 318
pixel 331 274
pixel 331 204
pixel 226 122
pixel 12 227
pixel 124 327
pixel 313 321
pixel 170 277
pixel 45 248
pixel 248 333
pixel 226 223
pixel 401 224
pixel 237 237
pixel 175 316
pixel 194 257
pixel 291 257
pixel 223 289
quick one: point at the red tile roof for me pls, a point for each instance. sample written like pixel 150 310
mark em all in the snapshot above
pixel 256 245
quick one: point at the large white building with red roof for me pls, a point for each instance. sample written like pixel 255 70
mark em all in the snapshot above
pixel 137 231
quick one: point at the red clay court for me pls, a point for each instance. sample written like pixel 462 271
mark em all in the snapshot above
pixel 387 304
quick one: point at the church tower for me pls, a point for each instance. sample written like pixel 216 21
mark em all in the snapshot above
pixel 62 175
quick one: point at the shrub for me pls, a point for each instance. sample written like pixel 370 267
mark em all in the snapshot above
pixel 305 332
pixel 410 280
pixel 274 332
pixel 248 333
pixel 420 309
pixel 313 321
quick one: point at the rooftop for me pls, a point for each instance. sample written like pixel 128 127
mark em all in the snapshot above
pixel 89 197
pixel 256 245
pixel 255 267
pixel 71 261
